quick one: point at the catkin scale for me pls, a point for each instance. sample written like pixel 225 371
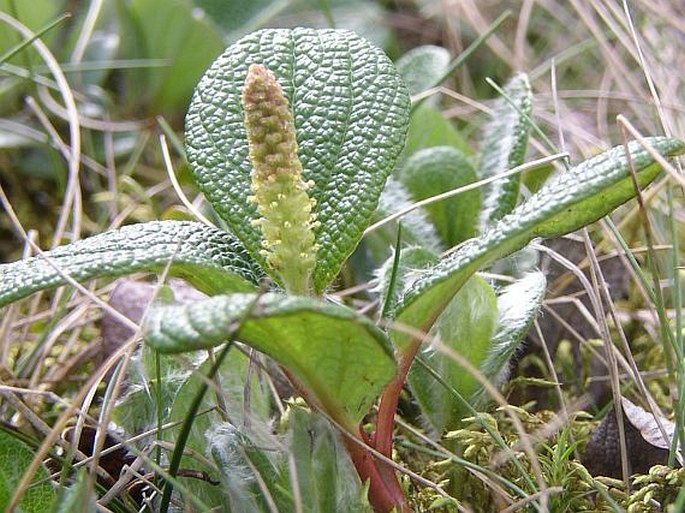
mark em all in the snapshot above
pixel 279 190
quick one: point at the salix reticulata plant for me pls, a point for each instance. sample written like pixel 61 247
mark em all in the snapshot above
pixel 291 136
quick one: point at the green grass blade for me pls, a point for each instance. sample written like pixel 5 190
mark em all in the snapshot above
pixel 25 43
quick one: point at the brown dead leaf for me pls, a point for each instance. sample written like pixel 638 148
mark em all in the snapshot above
pixel 645 442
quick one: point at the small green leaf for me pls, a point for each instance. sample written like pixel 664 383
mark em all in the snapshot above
pixel 574 199
pixel 367 19
pixel 337 354
pixel 518 305
pixel 416 226
pixel 412 261
pixel 428 128
pixel 505 139
pixel 440 169
pixel 423 67
pixel 235 16
pixel 466 326
pixel 245 402
pixel 170 31
pixel 210 259
pixel 326 479
pixel 350 109
pixel 137 411
pixel 241 461
pixel 325 475
pixel 15 457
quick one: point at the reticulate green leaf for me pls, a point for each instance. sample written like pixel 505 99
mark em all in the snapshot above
pixel 505 139
pixel 423 67
pixel 440 169
pixel 336 353
pixel 210 259
pixel 466 326
pixel 517 305
pixel 350 109
pixel 15 457
pixel 573 199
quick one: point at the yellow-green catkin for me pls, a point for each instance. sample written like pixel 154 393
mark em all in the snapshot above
pixel 280 193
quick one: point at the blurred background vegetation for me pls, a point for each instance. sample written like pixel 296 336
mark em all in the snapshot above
pixel 131 66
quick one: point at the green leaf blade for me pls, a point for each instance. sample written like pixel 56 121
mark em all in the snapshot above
pixel 423 67
pixel 574 199
pixel 350 109
pixel 341 356
pixel 211 259
pixel 15 457
pixel 466 326
pixel 326 478
pixel 504 145
pixel 396 276
pixel 239 459
pixel 77 497
pixel 417 228
pixel 518 305
pixel 437 170
pixel 428 127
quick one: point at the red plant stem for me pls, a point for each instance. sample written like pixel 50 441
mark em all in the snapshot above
pixel 382 438
pixel 384 494
pixel 385 491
